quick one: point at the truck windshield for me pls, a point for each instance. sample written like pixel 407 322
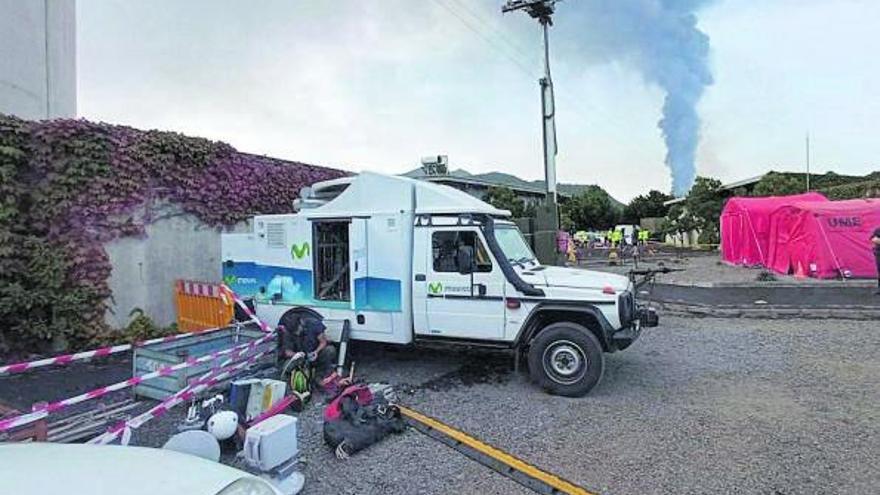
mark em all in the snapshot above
pixel 512 243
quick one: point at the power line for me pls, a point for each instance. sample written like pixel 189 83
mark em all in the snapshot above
pixel 476 30
pixel 573 103
pixel 502 33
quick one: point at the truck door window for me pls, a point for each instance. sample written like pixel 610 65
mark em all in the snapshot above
pixel 444 247
pixel 331 261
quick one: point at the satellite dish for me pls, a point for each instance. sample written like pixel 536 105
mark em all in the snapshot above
pixel 199 443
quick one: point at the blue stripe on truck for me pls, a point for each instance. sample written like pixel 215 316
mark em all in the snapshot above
pixel 296 287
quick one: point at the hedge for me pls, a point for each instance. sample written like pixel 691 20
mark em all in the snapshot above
pixel 69 186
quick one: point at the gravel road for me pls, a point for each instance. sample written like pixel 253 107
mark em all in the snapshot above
pixel 695 406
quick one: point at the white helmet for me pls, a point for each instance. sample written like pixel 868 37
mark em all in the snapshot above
pixel 223 424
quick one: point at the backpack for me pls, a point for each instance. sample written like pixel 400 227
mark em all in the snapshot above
pixel 357 419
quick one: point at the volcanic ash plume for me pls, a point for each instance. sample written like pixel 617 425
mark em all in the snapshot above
pixel 661 39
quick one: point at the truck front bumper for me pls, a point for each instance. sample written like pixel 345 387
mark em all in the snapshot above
pixel 641 317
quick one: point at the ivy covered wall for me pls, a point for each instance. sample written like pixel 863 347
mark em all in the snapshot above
pixel 67 187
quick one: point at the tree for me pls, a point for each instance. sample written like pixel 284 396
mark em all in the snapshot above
pixel 565 221
pixel 704 203
pixel 591 209
pixel 679 221
pixel 776 184
pixel 646 206
pixel 505 199
pixel 701 211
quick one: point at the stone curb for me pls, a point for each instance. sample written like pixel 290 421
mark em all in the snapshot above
pixel 769 312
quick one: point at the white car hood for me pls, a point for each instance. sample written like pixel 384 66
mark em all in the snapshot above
pixel 42 468
pixel 555 276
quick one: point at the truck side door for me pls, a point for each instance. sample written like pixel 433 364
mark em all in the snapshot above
pixel 462 305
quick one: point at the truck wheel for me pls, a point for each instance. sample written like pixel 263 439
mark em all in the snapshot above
pixel 566 359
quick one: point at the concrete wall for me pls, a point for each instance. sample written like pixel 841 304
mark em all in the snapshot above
pixel 38 58
pixel 687 239
pixel 144 269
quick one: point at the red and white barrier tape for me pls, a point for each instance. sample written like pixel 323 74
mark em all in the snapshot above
pixel 189 287
pixel 101 352
pixel 40 412
pixel 247 310
pixel 183 395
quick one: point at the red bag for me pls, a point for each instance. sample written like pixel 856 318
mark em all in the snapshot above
pixel 360 393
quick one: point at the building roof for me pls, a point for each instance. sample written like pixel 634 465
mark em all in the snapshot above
pixel 742 183
pixel 724 187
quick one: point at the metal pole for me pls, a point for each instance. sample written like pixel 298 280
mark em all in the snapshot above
pixel 808 162
pixel 548 105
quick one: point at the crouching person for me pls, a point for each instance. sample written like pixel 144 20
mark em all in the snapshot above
pixel 308 347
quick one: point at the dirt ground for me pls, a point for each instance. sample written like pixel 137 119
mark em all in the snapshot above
pixel 705 269
pixel 695 406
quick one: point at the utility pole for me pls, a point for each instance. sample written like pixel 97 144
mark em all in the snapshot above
pixel 547 216
pixel 808 162
pixel 543 10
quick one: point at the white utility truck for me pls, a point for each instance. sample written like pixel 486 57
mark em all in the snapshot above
pixel 407 261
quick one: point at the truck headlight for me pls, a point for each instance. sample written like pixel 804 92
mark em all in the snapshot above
pixel 248 486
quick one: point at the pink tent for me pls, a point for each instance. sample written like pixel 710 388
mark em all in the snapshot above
pixel 825 239
pixel 745 226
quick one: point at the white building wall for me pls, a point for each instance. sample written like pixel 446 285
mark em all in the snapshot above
pixel 38 58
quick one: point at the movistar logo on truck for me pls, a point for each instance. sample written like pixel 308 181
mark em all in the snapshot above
pixel 297 251
pixel 437 288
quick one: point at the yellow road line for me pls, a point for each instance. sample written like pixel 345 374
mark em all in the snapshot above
pixel 552 480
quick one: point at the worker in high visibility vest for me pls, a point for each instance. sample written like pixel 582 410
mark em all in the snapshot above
pixel 608 236
pixel 644 235
pixel 616 238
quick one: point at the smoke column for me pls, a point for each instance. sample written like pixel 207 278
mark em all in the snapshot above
pixel 661 40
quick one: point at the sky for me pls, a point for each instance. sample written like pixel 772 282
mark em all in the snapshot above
pixel 377 84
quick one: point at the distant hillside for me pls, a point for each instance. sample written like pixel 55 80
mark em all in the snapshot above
pixel 504 179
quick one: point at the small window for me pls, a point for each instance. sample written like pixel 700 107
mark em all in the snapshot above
pixel 444 247
pixel 331 261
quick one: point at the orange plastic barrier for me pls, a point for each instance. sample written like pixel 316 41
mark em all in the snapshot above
pixel 201 305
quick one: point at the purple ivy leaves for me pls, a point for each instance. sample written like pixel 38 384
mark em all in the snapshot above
pixel 89 183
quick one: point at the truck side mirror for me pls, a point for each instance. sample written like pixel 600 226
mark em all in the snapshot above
pixel 465 259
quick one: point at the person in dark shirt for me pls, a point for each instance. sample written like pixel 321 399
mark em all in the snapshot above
pixel 875 240
pixel 309 341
